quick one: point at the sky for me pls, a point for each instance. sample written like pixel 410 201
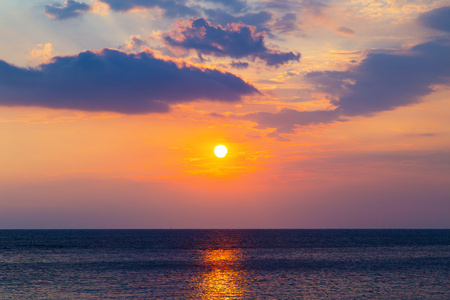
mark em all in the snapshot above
pixel 335 113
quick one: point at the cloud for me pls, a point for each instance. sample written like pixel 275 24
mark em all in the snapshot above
pixel 41 53
pixel 345 31
pixel 264 21
pixel 282 5
pixel 111 80
pixel 239 64
pixel 172 8
pixel 307 8
pixel 259 19
pixel 235 5
pixel 381 82
pixel 286 23
pixel 286 120
pixel 438 19
pixel 234 40
pixel 313 8
pixel 387 81
pixel 407 158
pixel 71 9
pixel 217 115
pixel 135 44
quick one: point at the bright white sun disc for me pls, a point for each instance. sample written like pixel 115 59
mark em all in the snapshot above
pixel 220 151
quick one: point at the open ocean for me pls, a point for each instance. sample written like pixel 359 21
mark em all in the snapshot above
pixel 225 264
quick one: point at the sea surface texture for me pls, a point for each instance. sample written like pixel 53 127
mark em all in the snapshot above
pixel 224 264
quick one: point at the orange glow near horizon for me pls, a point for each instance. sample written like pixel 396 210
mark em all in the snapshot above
pixel 309 141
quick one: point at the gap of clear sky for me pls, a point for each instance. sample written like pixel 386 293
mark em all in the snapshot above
pixel 336 114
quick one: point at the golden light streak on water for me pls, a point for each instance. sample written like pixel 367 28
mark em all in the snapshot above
pixel 223 277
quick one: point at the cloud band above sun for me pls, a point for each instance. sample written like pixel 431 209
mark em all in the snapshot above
pixel 111 80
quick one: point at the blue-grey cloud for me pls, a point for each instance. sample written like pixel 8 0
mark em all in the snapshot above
pixel 280 4
pixel 112 80
pixel 387 81
pixel 407 158
pixel 438 18
pixel 235 40
pixel 313 7
pixel 235 5
pixel 287 23
pixel 172 8
pixel 381 82
pixel 259 20
pixel 71 9
pixel 239 64
pixel 345 31
pixel 135 44
pixel 286 120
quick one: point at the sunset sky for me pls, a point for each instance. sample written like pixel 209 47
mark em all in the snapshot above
pixel 336 114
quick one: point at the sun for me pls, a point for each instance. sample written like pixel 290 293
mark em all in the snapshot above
pixel 220 151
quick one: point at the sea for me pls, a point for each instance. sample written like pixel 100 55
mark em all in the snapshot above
pixel 225 264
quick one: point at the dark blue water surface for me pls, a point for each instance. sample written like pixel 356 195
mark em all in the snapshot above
pixel 224 264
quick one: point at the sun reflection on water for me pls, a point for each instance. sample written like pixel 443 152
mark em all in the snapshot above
pixel 223 277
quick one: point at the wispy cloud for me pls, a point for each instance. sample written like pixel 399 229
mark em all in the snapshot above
pixel 286 23
pixel 287 119
pixel 345 31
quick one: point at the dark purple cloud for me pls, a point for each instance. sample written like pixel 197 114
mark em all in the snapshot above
pixel 239 64
pixel 112 80
pixel 276 58
pixel 381 82
pixel 71 9
pixel 438 18
pixel 172 8
pixel 235 40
